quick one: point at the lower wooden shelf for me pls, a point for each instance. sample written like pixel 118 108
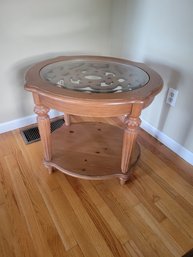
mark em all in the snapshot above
pixel 90 151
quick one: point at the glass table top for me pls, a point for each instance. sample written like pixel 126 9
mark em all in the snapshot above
pixel 94 76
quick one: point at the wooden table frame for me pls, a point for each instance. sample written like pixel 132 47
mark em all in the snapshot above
pixel 128 105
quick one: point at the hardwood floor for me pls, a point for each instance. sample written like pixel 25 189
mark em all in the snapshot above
pixel 57 215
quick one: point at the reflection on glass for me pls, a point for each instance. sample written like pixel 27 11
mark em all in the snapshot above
pixel 94 76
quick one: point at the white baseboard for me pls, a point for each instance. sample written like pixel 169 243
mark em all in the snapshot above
pixel 25 121
pixel 169 142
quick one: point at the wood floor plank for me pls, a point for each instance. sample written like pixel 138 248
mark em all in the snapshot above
pixel 154 180
pixel 132 249
pixel 65 219
pixel 167 196
pixel 111 231
pixel 168 241
pixel 19 237
pixel 45 245
pixel 2 196
pixel 172 184
pixel 150 235
pixel 75 252
pixel 180 166
pixel 124 195
pixel 178 234
pixel 147 196
pixel 133 227
pixel 48 223
pixel 6 246
pixel 33 155
pixel 48 191
pixel 82 237
pixel 105 214
pixel 175 180
pixel 68 214
pixel 87 223
pixel 178 216
pixel 60 216
pixel 6 144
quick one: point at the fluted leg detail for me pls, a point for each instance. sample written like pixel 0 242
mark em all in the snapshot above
pixel 67 119
pixel 44 130
pixel 132 123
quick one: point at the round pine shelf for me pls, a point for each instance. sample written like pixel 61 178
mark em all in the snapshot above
pixel 90 151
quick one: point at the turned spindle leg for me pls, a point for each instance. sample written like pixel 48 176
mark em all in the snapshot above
pixel 132 123
pixel 45 133
pixel 122 181
pixel 67 119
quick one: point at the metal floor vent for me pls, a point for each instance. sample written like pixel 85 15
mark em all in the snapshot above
pixel 31 135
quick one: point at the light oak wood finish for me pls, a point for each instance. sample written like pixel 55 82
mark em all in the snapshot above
pixel 52 83
pixel 57 215
pixel 90 151
pixel 132 122
pixel 67 119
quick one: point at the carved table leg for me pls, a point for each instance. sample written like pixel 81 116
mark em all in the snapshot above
pixel 132 123
pixel 44 130
pixel 67 119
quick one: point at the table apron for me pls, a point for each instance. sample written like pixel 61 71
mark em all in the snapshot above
pixel 89 109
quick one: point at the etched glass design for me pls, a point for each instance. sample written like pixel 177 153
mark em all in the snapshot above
pixel 94 76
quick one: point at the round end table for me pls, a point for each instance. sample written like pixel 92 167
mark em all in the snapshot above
pixel 92 86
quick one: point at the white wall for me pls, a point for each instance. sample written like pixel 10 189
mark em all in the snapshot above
pixel 160 33
pixel 156 32
pixel 127 23
pixel 32 30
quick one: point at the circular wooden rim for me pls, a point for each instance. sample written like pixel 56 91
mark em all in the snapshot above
pixel 35 83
